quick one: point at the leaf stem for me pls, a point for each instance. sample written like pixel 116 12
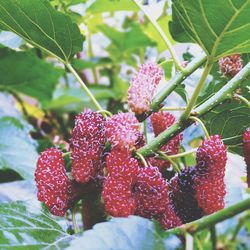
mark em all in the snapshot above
pixel 167 158
pixel 140 156
pixel 87 91
pixel 183 154
pixel 213 236
pixel 145 131
pixel 163 35
pixel 243 99
pixel 207 221
pixel 105 112
pixel 198 89
pixel 196 119
pixel 142 159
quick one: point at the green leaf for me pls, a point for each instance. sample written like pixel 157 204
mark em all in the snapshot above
pixel 100 6
pixel 31 76
pixel 124 42
pixel 220 27
pixel 26 226
pixel 123 233
pixel 17 149
pixel 40 24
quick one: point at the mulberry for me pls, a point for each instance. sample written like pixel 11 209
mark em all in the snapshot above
pixel 230 65
pixel 143 86
pixel 246 149
pixel 87 146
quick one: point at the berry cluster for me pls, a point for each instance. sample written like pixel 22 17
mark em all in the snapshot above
pixel 103 154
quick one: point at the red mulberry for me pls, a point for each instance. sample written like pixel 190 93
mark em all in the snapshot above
pixel 118 198
pixel 161 121
pixel 169 219
pixel 211 160
pixel 246 149
pixel 122 130
pixel 143 86
pixel 121 165
pixel 87 145
pixel 53 184
pixel 151 192
pixel 230 65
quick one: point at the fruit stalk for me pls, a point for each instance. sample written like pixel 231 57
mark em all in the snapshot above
pixel 207 221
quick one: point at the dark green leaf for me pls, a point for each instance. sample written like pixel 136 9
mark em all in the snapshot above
pixel 30 76
pixel 26 226
pixel 41 25
pixel 124 233
pixel 219 27
pixel 17 149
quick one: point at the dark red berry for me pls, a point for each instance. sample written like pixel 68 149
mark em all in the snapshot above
pixel 151 192
pixel 209 182
pixel 169 219
pixel 183 196
pixel 230 65
pixel 122 130
pixel 161 121
pixel 121 165
pixel 211 157
pixel 53 184
pixel 118 198
pixel 87 146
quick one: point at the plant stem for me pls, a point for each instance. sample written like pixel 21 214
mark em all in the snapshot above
pixel 196 119
pixel 172 108
pixel 162 34
pixel 210 220
pixel 165 61
pixel 87 91
pixel 213 237
pixel 243 99
pixel 224 93
pixel 183 154
pixel 167 158
pixel 105 112
pixel 198 89
pixel 66 154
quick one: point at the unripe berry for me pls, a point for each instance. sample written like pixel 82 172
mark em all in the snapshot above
pixel 230 65
pixel 143 86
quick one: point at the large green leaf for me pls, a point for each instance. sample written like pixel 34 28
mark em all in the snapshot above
pixel 17 149
pixel 125 233
pixel 41 25
pixel 219 27
pixel 30 76
pixel 100 6
pixel 26 226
